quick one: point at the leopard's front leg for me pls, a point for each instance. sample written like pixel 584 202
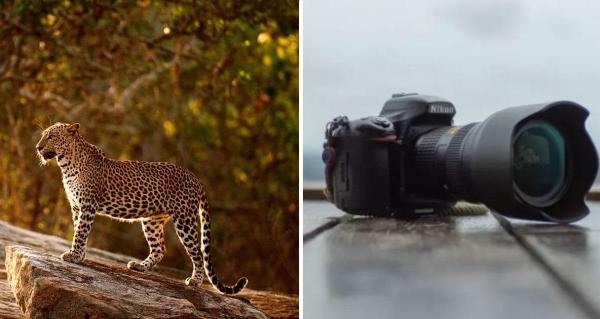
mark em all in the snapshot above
pixel 83 226
pixel 75 213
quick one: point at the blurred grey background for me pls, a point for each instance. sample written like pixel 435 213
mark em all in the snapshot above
pixel 481 55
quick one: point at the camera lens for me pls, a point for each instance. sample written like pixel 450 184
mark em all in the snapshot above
pixel 539 162
pixel 533 162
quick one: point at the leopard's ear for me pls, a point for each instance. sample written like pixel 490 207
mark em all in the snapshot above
pixel 73 128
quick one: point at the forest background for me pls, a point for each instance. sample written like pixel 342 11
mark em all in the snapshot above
pixel 209 85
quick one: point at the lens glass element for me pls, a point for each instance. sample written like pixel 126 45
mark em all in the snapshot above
pixel 539 160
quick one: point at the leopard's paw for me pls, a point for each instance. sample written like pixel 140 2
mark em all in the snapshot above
pixel 134 265
pixel 72 257
pixel 194 281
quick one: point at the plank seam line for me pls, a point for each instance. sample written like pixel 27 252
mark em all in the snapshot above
pixel 576 296
pixel 317 231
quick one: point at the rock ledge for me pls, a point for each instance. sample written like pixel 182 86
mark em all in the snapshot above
pixel 47 287
pixel 37 275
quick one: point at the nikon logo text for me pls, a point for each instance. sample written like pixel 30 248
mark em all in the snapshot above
pixel 441 109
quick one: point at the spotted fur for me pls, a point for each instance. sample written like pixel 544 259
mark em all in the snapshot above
pixel 149 192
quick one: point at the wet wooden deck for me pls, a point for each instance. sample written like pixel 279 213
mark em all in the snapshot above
pixel 459 266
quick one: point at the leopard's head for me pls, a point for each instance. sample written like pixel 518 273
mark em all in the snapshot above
pixel 56 140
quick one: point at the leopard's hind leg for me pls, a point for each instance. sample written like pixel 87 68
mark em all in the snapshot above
pixel 154 231
pixel 186 227
pixel 199 248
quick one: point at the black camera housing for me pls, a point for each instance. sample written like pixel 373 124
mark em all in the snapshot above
pixel 411 159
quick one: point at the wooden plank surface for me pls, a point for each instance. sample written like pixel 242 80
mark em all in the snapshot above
pixel 431 267
pixel 315 215
pixel 571 251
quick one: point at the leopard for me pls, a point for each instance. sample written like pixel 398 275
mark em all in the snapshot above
pixel 151 193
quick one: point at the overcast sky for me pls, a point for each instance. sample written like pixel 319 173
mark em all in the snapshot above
pixel 481 55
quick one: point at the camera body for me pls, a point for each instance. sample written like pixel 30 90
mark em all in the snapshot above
pixel 533 162
pixel 382 165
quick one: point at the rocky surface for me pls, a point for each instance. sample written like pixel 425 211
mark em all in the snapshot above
pixel 103 287
pixel 47 287
pixel 8 306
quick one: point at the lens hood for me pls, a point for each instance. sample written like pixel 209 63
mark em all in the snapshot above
pixel 481 165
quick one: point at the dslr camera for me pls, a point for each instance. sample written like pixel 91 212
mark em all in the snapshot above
pixel 533 162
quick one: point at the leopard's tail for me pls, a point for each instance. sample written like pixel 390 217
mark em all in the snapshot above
pixel 205 246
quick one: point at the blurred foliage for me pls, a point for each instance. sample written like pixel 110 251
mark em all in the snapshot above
pixel 211 86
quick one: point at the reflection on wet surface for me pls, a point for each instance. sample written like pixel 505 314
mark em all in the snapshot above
pixel 572 251
pixel 567 239
pixel 434 267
